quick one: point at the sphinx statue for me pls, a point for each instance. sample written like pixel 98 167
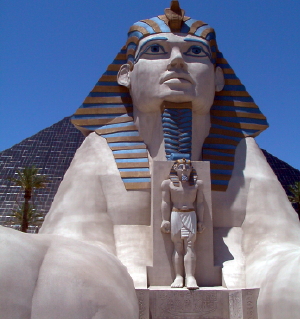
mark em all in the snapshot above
pixel 168 94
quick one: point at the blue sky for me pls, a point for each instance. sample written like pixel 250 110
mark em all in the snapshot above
pixel 53 52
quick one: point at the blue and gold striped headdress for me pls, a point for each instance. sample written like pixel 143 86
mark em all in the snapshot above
pixel 108 109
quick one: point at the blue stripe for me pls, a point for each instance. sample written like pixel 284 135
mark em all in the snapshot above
pixel 220 55
pixel 211 36
pixel 219 182
pixel 134 169
pixel 224 65
pixel 222 163
pixel 110 72
pixel 145 25
pixel 161 24
pixel 220 146
pixel 187 25
pixel 201 29
pixel 221 171
pixel 210 152
pixel 234 98
pixel 136 180
pixel 247 110
pixel 137 34
pixel 104 83
pixel 241 120
pixel 234 88
pixel 231 76
pixel 129 151
pixel 124 144
pixel 131 160
pixel 131 45
pixel 120 134
pixel 119 62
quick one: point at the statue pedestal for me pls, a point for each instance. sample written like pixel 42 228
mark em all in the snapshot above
pixel 204 303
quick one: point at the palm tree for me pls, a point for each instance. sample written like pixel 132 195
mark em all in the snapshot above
pixel 28 179
pixel 34 218
pixel 295 197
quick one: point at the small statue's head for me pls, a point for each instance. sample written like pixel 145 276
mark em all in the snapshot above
pixel 182 170
pixel 171 58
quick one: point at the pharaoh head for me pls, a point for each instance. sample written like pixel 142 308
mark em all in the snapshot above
pixel 182 170
pixel 171 58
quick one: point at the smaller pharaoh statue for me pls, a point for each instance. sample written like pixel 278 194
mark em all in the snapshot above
pixel 182 213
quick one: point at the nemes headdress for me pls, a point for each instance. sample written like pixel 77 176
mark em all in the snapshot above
pixel 108 109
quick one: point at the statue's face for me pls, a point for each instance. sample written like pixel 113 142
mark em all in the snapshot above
pixel 183 171
pixel 172 67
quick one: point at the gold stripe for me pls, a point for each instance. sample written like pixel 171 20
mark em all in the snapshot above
pixel 133 39
pixel 121 56
pixel 219 158
pixel 206 32
pixel 221 166
pixel 195 26
pixel 240 125
pixel 103 110
pixel 218 140
pixel 220 177
pixel 232 93
pixel 238 114
pixel 235 103
pixel 164 19
pixel 108 99
pixel 124 139
pixel 131 155
pixel 113 89
pixel 226 132
pixel 227 70
pixel 218 188
pixel 83 122
pixel 117 129
pixel 172 105
pixel 140 29
pixel 233 82
pixel 135 174
pixel 133 165
pixel 222 60
pixel 133 186
pixel 152 24
pixel 114 67
pixel 117 148
pixel 108 78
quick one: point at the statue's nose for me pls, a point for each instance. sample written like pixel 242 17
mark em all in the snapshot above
pixel 176 60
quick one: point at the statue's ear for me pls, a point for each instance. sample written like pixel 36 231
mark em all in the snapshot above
pixel 219 79
pixel 123 75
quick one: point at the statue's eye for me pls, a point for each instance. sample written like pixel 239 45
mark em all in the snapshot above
pixel 154 49
pixel 197 51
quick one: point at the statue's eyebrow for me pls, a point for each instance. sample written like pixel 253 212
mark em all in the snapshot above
pixel 153 39
pixel 198 40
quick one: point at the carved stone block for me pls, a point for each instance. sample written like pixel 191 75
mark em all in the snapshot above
pixel 205 303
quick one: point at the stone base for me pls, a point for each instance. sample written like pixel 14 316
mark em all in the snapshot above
pixel 203 303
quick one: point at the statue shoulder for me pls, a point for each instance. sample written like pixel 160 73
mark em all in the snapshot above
pixel 165 185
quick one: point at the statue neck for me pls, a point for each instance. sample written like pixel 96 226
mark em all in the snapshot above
pixel 151 130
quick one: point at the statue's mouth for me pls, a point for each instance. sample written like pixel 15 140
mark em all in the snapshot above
pixel 177 78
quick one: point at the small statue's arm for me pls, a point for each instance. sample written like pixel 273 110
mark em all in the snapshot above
pixel 200 207
pixel 166 207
